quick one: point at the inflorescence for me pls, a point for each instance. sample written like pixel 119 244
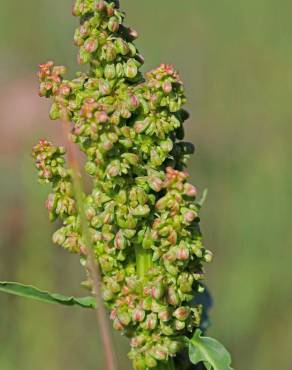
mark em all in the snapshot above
pixel 142 212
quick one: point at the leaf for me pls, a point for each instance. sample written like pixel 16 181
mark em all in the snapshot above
pixel 202 201
pixel 31 292
pixel 209 351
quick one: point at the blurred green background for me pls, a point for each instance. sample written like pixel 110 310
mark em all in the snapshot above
pixel 235 58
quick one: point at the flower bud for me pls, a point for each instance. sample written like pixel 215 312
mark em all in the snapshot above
pixel 167 86
pixel 141 196
pixel 138 315
pixel 157 291
pixel 131 158
pixel 90 168
pixel 118 325
pixel 114 287
pixel 138 340
pixel 190 216
pixel 104 87
pixel 141 126
pixel 174 347
pixel 132 283
pixel 201 289
pixel 155 184
pixel 166 329
pixel 162 203
pixel 165 231
pixel 113 24
pixel 133 33
pixel 133 50
pixel 179 325
pixel 107 295
pixel 100 5
pixel 164 315
pixel 102 39
pixel 90 213
pixel 141 211
pixel 146 304
pixel 91 45
pixel 160 353
pixel 133 103
pixel 113 169
pixel 129 234
pixel 83 56
pixel 131 69
pixel 124 318
pixel 125 112
pixel 139 363
pixel 110 53
pixel 172 238
pixel 113 314
pixel 120 241
pixel 101 117
pixel 59 237
pixel 51 202
pixel 110 71
pixel 156 158
pixel 166 146
pixel 190 190
pixel 174 106
pixel 208 256
pixel 185 281
pixel 110 10
pixel 76 10
pixel 147 242
pixel 182 313
pixel 64 90
pixel 151 322
pixel 140 58
pixel 172 297
pixel 122 47
pixel 150 361
pixel 182 254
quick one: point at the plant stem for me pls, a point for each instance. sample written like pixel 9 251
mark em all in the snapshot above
pixel 143 261
pixel 92 266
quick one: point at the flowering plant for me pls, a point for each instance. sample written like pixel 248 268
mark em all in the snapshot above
pixel 137 230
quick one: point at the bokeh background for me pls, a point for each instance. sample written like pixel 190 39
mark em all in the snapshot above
pixel 235 58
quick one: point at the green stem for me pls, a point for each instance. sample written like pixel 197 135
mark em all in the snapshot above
pixel 143 261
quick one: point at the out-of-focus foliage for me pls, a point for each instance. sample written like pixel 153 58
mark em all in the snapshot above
pixel 235 58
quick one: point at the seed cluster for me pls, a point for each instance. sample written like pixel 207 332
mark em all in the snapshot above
pixel 142 211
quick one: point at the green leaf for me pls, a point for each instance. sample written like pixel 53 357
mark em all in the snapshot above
pixel 209 351
pixel 203 199
pixel 31 292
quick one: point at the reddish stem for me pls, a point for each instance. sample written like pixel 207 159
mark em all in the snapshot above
pixel 92 266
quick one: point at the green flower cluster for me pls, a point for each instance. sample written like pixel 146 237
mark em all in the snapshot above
pixel 142 211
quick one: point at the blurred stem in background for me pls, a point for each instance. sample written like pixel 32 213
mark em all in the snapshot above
pixel 92 266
